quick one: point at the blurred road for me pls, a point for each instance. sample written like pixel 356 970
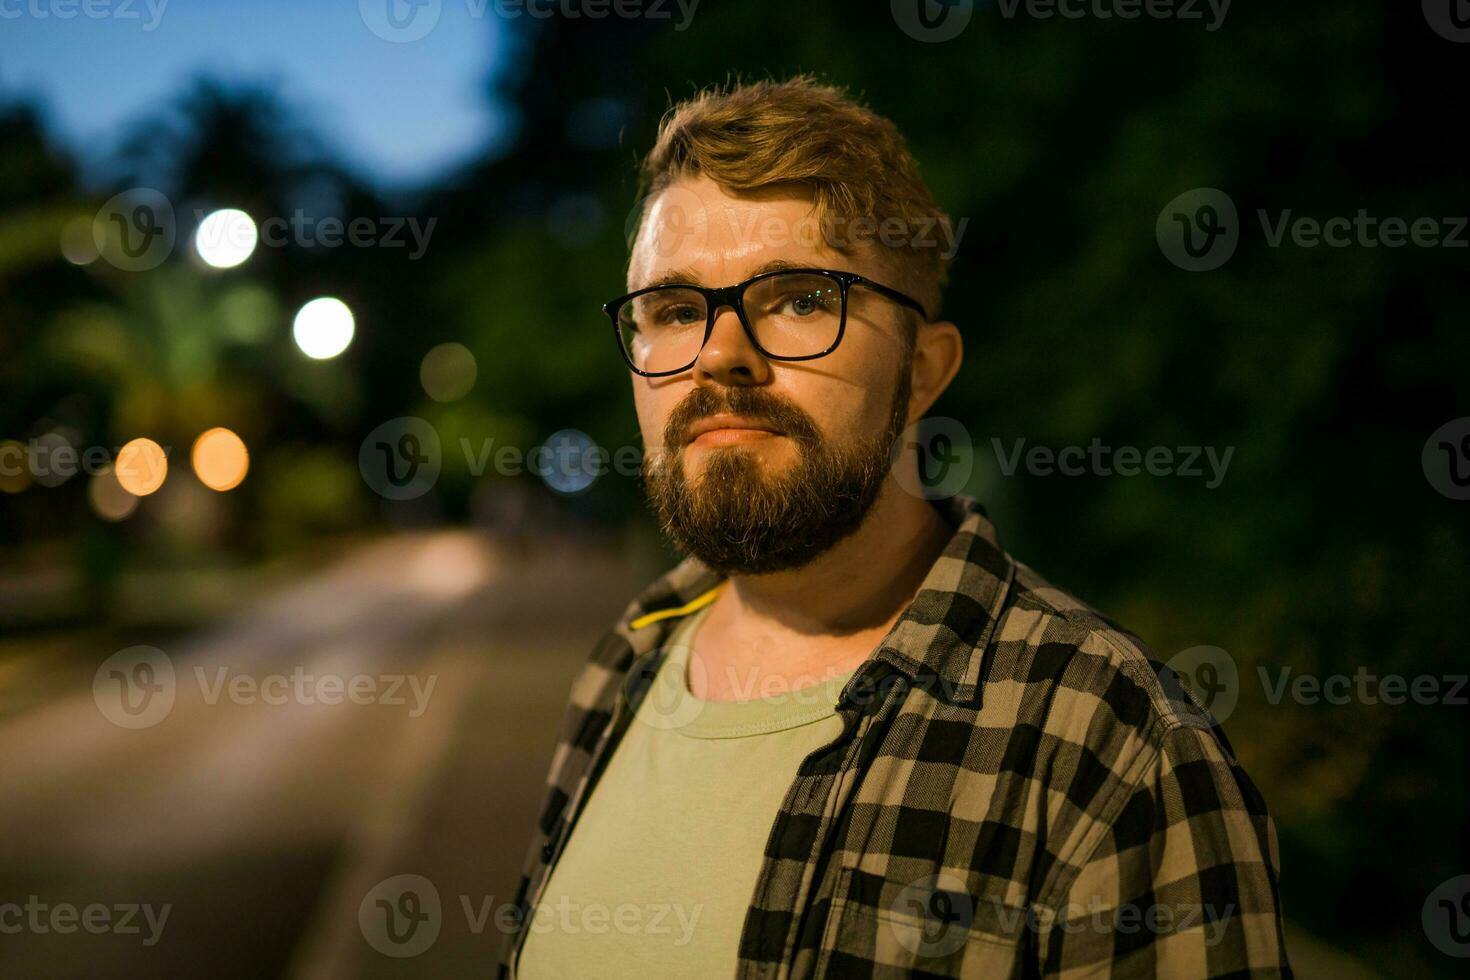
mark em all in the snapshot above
pixel 261 826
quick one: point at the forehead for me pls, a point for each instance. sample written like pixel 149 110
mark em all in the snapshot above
pixel 695 229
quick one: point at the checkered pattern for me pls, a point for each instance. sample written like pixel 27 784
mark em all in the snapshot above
pixel 1019 791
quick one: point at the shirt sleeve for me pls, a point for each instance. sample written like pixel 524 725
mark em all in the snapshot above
pixel 1181 883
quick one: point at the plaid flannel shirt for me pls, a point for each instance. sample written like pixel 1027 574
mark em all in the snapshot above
pixel 1018 791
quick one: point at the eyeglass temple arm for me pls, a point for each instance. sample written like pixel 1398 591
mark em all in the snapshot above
pixel 893 294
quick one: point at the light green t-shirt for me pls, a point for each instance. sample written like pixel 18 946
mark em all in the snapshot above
pixel 660 868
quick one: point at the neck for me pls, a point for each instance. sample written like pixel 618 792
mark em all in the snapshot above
pixel 861 584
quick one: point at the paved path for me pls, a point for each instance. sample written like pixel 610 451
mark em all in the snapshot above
pixel 258 823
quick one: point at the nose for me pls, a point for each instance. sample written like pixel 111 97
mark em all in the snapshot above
pixel 729 358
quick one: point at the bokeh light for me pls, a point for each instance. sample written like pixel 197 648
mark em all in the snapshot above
pixel 77 244
pixel 323 328
pixel 220 459
pixel 226 238
pixel 108 498
pixel 15 467
pixel 568 465
pixel 448 372
pixel 53 459
pixel 141 467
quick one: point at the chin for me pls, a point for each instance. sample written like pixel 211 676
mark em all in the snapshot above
pixel 770 451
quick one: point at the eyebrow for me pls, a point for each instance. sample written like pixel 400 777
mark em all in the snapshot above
pixel 688 277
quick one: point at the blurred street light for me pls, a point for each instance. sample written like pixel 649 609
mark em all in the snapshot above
pixel 142 466
pixel 109 499
pixel 226 238
pixel 220 459
pixel 323 328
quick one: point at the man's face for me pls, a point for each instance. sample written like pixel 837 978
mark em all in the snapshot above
pixel 758 465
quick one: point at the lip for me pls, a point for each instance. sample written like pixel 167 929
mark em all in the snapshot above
pixel 727 429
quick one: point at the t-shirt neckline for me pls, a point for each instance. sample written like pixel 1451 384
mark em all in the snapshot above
pixel 760 715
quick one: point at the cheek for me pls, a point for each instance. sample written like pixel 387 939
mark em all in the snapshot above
pixel 856 399
pixel 653 407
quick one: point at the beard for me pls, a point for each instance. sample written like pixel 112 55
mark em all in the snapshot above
pixel 740 520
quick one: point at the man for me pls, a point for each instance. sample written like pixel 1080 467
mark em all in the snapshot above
pixel 850 735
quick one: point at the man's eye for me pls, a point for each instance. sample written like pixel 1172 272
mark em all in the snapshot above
pixel 805 304
pixel 682 316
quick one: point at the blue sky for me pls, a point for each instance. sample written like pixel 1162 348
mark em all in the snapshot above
pixel 399 113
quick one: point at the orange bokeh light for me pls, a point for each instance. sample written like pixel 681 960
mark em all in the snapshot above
pixel 220 459
pixel 141 467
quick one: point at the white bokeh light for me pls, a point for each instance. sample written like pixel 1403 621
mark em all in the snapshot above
pixel 323 328
pixel 226 238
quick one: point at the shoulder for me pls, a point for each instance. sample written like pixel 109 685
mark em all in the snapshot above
pixel 1098 681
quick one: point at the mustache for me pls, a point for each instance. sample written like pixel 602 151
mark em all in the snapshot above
pixel 754 403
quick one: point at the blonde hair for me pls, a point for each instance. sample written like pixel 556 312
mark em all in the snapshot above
pixel 855 164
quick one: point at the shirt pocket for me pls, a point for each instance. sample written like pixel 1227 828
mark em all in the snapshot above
pixel 882 928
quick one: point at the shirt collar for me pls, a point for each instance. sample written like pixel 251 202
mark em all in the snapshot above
pixel 938 637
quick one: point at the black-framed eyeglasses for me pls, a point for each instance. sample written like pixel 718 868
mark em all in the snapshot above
pixel 789 315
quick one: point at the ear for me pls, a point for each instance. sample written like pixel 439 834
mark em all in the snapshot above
pixel 938 352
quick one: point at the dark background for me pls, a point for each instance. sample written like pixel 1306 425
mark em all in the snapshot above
pixel 1326 548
